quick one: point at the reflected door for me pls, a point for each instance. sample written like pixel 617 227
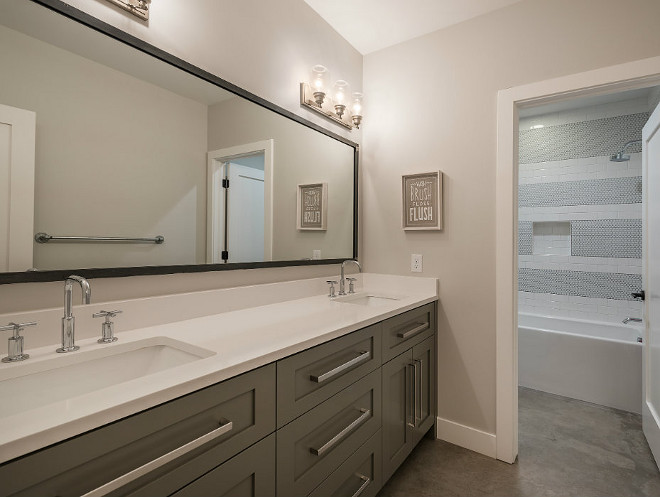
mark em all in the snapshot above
pixel 17 140
pixel 245 212
pixel 651 273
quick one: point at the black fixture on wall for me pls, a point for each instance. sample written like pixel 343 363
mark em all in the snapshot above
pixel 130 40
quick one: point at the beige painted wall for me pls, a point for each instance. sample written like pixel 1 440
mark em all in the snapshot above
pixel 284 39
pixel 445 86
pixel 300 156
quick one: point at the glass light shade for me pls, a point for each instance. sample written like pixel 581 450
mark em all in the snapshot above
pixel 320 78
pixel 341 93
pixel 356 108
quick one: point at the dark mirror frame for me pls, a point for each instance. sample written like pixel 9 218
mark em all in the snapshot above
pixel 130 40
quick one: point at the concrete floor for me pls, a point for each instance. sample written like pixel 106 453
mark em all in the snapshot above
pixel 566 448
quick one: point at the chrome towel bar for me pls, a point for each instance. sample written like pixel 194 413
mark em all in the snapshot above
pixel 45 238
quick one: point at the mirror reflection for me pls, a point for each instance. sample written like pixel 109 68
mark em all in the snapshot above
pixel 129 146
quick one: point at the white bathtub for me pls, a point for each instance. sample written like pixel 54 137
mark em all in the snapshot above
pixel 586 360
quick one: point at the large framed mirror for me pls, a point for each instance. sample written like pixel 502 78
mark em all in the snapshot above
pixel 119 159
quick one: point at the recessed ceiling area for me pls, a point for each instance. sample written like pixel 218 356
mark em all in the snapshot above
pixel 370 25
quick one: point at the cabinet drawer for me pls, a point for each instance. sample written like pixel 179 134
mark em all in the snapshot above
pixel 239 412
pixel 360 475
pixel 249 474
pixel 310 448
pixel 408 329
pixel 306 379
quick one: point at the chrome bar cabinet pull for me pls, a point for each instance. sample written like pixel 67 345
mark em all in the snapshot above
pixel 159 461
pixel 364 356
pixel 330 444
pixel 365 483
pixel 413 331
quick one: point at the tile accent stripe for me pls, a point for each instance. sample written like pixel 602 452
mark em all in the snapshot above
pixel 582 139
pixel 606 191
pixel 620 238
pixel 615 286
pixel 525 241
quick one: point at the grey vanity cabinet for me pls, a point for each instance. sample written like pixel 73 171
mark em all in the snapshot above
pixel 408 402
pixel 405 330
pixel 231 416
pixel 306 379
pixel 314 445
pixel 249 474
pixel 361 474
pixel 333 420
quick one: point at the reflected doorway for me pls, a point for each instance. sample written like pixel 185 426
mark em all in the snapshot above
pixel 239 204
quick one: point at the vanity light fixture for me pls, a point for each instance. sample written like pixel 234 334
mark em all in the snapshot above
pixel 341 92
pixel 139 8
pixel 320 79
pixel 356 111
pixel 335 102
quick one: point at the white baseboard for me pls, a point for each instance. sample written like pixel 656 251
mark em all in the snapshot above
pixel 466 437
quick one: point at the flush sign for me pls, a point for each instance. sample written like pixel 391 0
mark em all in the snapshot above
pixel 312 205
pixel 139 8
pixel 422 201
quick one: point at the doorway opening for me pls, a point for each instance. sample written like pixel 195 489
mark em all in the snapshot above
pixel 511 102
pixel 239 217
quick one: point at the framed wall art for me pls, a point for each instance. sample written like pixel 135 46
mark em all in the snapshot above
pixel 312 206
pixel 422 201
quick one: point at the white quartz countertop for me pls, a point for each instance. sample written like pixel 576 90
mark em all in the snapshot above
pixel 236 341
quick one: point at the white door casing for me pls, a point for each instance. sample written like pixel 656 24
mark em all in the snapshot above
pixel 628 76
pixel 17 155
pixel 215 196
pixel 651 281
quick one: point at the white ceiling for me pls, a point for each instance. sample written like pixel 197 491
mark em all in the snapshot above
pixel 371 25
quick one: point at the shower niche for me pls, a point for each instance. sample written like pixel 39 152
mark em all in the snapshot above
pixel 551 238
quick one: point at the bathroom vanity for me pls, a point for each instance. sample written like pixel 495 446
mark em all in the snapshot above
pixel 310 396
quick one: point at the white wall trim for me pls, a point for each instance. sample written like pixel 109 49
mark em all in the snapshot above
pixel 628 76
pixel 464 436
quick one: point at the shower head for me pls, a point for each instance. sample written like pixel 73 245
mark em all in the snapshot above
pixel 619 157
pixel 622 156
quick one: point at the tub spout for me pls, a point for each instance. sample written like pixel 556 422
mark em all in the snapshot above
pixel 634 320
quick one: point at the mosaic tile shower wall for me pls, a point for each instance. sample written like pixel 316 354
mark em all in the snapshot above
pixel 589 270
pixel 583 139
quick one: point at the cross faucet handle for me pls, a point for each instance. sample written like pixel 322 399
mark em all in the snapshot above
pixel 15 343
pixel 106 314
pixel 16 327
pixel 107 328
pixel 332 284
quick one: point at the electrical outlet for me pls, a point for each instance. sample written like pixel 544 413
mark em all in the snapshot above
pixel 316 254
pixel 416 263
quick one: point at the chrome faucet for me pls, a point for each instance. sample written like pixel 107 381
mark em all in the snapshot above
pixel 634 320
pixel 68 321
pixel 342 280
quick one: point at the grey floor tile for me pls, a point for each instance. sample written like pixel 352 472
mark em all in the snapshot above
pixel 566 448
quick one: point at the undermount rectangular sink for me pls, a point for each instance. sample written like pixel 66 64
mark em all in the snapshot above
pixel 30 385
pixel 367 299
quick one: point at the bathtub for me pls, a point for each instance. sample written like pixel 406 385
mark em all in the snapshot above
pixel 587 360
